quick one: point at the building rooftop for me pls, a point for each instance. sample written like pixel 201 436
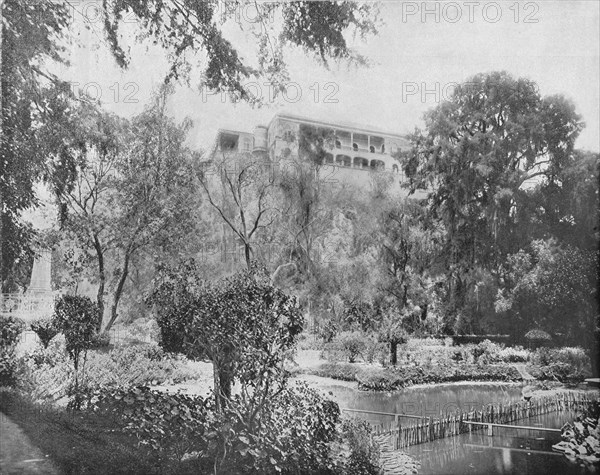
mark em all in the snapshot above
pixel 337 124
pixel 322 123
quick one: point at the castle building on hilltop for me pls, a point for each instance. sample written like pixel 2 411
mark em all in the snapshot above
pixel 351 153
pixel 359 156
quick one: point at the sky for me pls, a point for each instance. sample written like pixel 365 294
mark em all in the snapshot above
pixel 421 51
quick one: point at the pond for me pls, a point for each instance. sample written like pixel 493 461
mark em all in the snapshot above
pixel 426 401
pixel 508 451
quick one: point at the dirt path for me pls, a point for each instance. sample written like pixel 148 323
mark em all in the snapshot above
pixel 18 455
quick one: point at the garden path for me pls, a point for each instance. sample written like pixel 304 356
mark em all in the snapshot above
pixel 522 368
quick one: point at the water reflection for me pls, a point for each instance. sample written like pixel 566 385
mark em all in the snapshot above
pixel 509 451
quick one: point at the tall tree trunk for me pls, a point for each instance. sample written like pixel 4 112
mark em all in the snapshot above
pixel 118 292
pixel 222 379
pixel 101 278
pixel 394 353
pixel 247 254
pixel 1 135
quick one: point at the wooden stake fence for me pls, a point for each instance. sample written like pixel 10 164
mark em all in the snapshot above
pixel 429 429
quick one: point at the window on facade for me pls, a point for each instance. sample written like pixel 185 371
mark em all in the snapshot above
pixel 246 145
pixel 343 160
pixel 395 168
pixel 377 165
pixel 360 162
pixel 382 148
pixel 288 136
pixel 228 141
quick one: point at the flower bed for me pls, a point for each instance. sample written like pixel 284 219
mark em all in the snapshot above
pixel 389 379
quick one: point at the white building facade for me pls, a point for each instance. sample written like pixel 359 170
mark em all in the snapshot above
pixel 352 152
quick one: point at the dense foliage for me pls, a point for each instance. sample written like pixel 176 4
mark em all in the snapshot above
pixel 243 324
pixel 34 122
pixel 10 331
pixel 78 319
pixel 295 433
pixel 185 28
pixel 45 329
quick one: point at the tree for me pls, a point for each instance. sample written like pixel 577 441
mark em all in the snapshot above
pixel 480 150
pixel 134 191
pixel 78 319
pixel 37 106
pixel 392 332
pixel 564 207
pixel 241 188
pixel 33 124
pixel 407 251
pixel 243 324
pixel 555 289
pixel 305 215
pixel 184 28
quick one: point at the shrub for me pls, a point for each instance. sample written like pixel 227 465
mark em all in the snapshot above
pixel 569 364
pixel 347 346
pixel 487 352
pixel 341 371
pixel 353 344
pixel 10 330
pixel 515 354
pixel 463 354
pixel 243 324
pixel 46 373
pixel 293 433
pixel 361 457
pixel 8 367
pixel 100 341
pixel 134 366
pixel 78 319
pixel 333 352
pixel 172 425
pixel 374 351
pixel 45 329
pixel 401 377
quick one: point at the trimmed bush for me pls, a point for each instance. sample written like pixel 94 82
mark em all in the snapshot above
pixel 78 319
